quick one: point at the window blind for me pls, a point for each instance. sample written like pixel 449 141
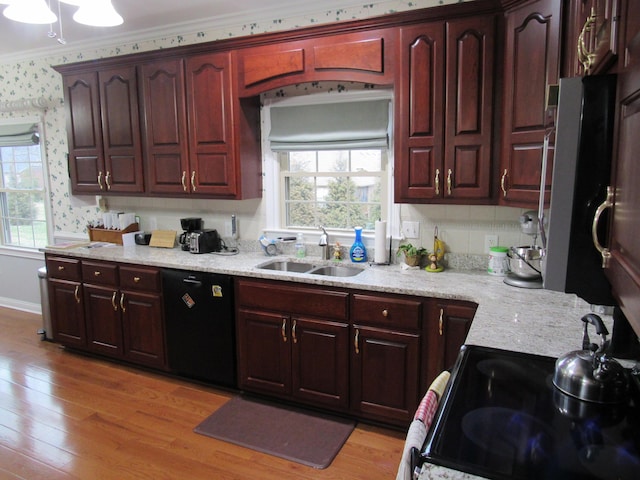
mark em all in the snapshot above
pixel 19 135
pixel 330 126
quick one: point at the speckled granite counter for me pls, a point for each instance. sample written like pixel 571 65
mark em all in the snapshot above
pixel 532 321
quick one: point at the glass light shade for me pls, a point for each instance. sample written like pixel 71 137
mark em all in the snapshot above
pixel 30 11
pixel 98 13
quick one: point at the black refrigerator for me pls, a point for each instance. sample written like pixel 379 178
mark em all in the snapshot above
pixel 581 174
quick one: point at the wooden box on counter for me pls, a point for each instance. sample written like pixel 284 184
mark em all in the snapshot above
pixel 110 235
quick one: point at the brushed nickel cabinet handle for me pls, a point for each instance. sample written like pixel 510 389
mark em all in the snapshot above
pixel 449 180
pixel 283 330
pixel 193 181
pixel 183 180
pixel 503 183
pixel 441 321
pixel 76 293
pixel 356 341
pixel 113 301
pixel 437 181
pixel 107 180
pixel 604 251
pixel 122 302
pixel 293 332
pixel 100 180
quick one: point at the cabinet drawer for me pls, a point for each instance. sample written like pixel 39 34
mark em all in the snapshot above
pixel 292 299
pixel 136 278
pixel 64 268
pixel 100 273
pixel 386 311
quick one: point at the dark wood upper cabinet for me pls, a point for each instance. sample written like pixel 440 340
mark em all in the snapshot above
pixel 444 113
pixel 200 139
pixel 165 126
pixel 624 264
pixel 103 130
pixel 532 54
pixel 366 57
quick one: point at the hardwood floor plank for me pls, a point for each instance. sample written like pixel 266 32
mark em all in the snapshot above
pixel 66 416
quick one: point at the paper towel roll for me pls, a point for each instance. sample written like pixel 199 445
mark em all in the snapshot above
pixel 381 242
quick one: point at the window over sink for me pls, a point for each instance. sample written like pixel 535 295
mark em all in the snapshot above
pixel 328 161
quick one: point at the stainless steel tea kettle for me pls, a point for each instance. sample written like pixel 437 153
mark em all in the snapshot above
pixel 589 374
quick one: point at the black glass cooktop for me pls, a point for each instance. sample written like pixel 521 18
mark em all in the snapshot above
pixel 502 418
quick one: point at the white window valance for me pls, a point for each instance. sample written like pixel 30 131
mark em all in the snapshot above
pixel 19 135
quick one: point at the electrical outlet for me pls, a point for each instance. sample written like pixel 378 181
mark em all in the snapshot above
pixel 411 229
pixel 490 241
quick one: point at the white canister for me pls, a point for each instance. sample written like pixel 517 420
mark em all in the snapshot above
pixel 498 261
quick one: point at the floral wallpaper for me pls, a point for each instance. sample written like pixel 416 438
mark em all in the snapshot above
pixel 34 78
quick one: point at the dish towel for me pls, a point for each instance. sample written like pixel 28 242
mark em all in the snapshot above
pixel 418 428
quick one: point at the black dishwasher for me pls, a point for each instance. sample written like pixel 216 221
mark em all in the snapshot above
pixel 200 325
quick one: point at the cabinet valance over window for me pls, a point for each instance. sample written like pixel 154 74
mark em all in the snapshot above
pixel 330 126
pixel 19 135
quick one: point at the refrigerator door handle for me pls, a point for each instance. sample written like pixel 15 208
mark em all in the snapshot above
pixel 604 251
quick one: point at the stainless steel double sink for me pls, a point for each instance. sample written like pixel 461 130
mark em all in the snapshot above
pixel 304 267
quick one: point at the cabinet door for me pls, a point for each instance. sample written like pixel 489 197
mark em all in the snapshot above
pixel 454 322
pixel 67 312
pixel 384 374
pixel 531 64
pixel 624 264
pixel 121 130
pixel 419 114
pixel 320 362
pixel 165 127
pixel 104 326
pixel 469 108
pixel 84 131
pixel 142 328
pixel 264 352
pixel 212 166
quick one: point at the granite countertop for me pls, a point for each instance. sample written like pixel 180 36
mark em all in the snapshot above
pixel 525 320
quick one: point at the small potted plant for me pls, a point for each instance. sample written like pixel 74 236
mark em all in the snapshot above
pixel 412 255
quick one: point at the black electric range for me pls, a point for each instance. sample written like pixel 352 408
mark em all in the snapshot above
pixel 502 418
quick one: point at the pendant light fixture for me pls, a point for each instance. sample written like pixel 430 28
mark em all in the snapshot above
pixel 95 13
pixel 29 11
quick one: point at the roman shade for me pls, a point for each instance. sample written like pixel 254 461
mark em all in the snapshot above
pixel 330 126
pixel 19 135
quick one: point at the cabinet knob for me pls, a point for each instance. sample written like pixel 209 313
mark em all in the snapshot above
pixel 385 313
pixel 96 273
pixel 60 268
pixel 136 279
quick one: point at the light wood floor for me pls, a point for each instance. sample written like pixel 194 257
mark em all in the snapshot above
pixel 67 416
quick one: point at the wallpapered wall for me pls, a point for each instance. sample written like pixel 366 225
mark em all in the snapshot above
pixel 33 78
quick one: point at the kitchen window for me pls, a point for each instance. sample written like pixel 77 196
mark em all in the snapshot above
pixel 23 193
pixel 330 161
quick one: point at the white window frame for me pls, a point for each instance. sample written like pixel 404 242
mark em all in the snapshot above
pixel 33 252
pixel 272 195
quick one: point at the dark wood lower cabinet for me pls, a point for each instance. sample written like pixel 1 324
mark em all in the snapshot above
pixel 385 368
pixel 65 299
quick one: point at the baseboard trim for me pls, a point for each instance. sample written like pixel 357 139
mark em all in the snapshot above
pixel 28 307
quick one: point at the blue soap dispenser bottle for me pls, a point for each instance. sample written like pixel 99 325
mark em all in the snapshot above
pixel 358 253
